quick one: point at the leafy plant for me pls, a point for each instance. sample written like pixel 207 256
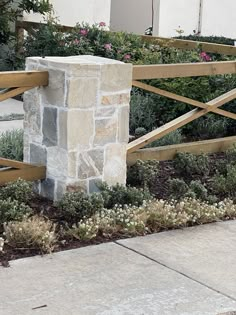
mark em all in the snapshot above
pixel 76 205
pixel 11 145
pixel 175 137
pixel 20 190
pixel 12 210
pixel 142 173
pixel 224 185
pixel 187 164
pixel 123 195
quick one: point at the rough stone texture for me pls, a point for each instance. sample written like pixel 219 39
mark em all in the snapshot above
pixel 115 164
pixel 118 78
pixel 123 128
pixel 105 112
pixel 79 185
pixel 38 154
pixel 50 126
pixel 32 112
pixel 57 163
pixel 78 125
pixel 93 185
pixel 106 279
pixel 48 188
pixel 105 131
pixel 80 129
pixel 82 93
pixel 115 99
pixel 90 163
pixel 54 94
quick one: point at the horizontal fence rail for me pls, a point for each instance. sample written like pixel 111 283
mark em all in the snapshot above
pixel 181 70
pixel 14 83
pixel 174 71
pixel 23 79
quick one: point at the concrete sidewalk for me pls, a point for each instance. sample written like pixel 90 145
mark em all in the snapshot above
pixel 183 272
pixel 8 107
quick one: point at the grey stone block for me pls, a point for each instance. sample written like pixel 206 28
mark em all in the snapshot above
pixel 48 188
pixel 50 133
pixel 38 154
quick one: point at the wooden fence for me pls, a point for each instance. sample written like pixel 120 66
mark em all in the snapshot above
pixel 12 84
pixel 174 71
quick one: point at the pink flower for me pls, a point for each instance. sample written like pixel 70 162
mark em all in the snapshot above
pixel 83 32
pixel 205 56
pixel 102 24
pixel 108 46
pixel 76 41
pixel 127 57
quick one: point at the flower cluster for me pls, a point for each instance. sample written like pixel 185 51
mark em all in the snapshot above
pixel 152 216
pixel 205 57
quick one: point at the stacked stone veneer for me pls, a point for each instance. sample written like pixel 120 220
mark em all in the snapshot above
pixel 78 126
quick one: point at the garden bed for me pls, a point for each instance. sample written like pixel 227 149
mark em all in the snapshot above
pixel 182 195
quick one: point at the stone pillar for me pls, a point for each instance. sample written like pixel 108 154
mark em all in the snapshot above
pixel 78 126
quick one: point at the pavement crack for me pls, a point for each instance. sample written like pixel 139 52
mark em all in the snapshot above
pixel 175 270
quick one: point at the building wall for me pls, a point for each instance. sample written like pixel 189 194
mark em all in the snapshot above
pixel 218 18
pixel 69 12
pixel 181 14
pixel 133 15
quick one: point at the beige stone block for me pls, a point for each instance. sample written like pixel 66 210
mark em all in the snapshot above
pixel 116 77
pixel 80 129
pixel 57 163
pixel 105 111
pixel 115 99
pixel 32 108
pixel 106 130
pixel 82 93
pixel 78 185
pixel 63 125
pixel 54 93
pixel 123 125
pixel 115 164
pixel 90 163
pixel 72 164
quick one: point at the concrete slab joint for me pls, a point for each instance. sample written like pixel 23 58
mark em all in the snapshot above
pixel 78 126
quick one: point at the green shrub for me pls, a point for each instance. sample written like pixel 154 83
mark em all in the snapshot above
pixel 175 137
pixel 11 145
pixel 35 232
pixel 210 127
pixel 76 205
pixel 19 190
pixel 177 188
pixel 225 185
pixel 198 190
pixel 187 164
pixel 12 210
pixel 142 173
pixel 123 195
pixel 141 113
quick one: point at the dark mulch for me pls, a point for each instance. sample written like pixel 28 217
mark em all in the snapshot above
pixel 167 171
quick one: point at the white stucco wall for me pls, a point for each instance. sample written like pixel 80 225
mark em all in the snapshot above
pixel 133 15
pixel 69 12
pixel 181 14
pixel 219 18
